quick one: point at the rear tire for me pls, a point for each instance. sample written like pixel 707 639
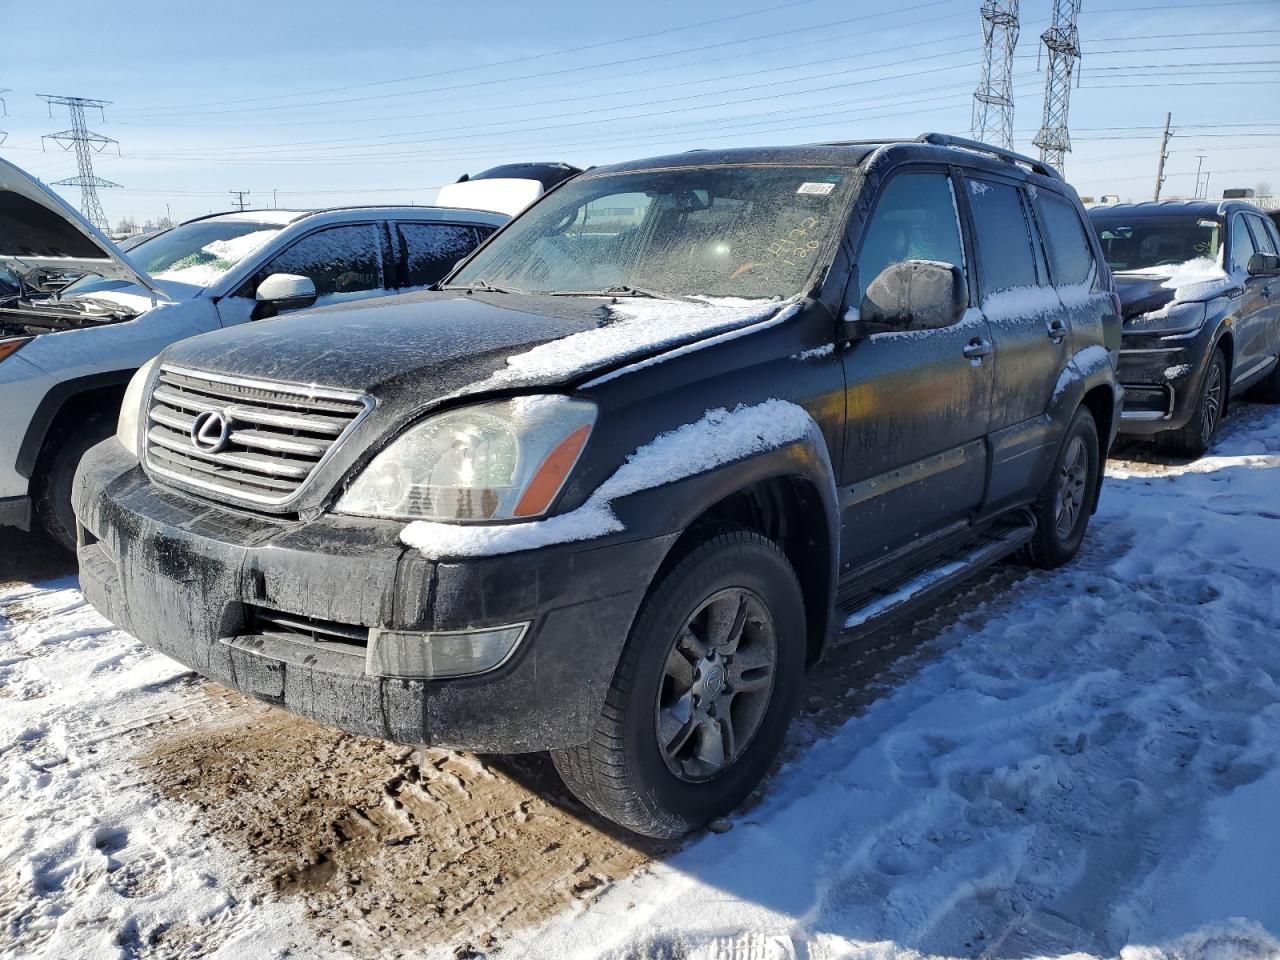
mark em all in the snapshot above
pixel 1065 504
pixel 1266 390
pixel 55 472
pixel 1198 434
pixel 703 693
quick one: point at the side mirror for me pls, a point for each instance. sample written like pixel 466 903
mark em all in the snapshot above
pixel 286 291
pixel 1264 265
pixel 915 295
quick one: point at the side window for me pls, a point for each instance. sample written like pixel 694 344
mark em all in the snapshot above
pixel 1262 241
pixel 1241 245
pixel 339 260
pixel 1004 238
pixel 1070 253
pixel 1270 226
pixel 430 250
pixel 914 219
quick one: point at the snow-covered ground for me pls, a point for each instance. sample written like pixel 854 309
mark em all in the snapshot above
pixel 1084 762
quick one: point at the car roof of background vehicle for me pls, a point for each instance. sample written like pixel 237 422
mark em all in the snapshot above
pixel 547 174
pixel 1210 209
pixel 38 229
pixel 287 218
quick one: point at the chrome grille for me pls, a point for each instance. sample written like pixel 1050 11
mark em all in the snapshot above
pixel 272 435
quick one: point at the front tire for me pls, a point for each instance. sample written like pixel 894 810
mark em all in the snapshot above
pixel 1197 436
pixel 1065 504
pixel 57 469
pixel 703 693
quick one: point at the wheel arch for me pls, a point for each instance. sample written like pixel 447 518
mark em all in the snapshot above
pixel 64 404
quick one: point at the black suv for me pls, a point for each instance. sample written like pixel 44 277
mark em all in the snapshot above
pixel 1201 301
pixel 653 449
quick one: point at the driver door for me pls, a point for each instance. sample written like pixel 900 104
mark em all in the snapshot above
pixel 917 402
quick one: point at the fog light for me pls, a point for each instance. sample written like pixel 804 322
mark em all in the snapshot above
pixel 454 653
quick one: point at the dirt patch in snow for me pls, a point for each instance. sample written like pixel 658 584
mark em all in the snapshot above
pixel 391 849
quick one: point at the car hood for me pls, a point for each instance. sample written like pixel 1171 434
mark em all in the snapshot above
pixel 38 229
pixel 420 348
pixel 1142 293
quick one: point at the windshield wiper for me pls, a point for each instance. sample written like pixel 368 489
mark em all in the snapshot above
pixel 624 290
pixel 484 286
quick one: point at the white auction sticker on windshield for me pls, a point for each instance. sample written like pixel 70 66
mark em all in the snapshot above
pixel 819 189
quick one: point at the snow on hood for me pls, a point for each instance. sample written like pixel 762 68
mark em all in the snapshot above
pixel 1200 279
pixel 635 325
pixel 720 436
pixel 40 230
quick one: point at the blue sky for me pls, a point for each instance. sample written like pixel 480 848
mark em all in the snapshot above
pixel 312 101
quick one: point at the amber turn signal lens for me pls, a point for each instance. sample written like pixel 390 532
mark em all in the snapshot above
pixel 10 346
pixel 551 474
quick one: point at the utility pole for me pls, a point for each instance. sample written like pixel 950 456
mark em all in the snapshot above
pixel 993 100
pixel 168 214
pixel 1200 157
pixel 85 143
pixel 1164 155
pixel 4 112
pixel 239 200
pixel 273 199
pixel 1062 40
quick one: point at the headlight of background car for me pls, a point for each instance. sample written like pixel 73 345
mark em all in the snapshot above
pixel 493 461
pixel 1176 318
pixel 131 411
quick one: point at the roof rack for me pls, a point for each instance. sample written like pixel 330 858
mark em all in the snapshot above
pixel 947 140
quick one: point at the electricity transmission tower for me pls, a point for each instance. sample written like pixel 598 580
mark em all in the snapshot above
pixel 993 100
pixel 85 143
pixel 1062 40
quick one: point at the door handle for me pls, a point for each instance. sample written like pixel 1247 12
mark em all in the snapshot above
pixel 1057 330
pixel 977 348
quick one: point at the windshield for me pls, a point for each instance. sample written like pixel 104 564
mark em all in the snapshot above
pixel 731 231
pixel 1146 242
pixel 195 253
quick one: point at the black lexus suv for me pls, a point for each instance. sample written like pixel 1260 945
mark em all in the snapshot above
pixel 1200 287
pixel 664 440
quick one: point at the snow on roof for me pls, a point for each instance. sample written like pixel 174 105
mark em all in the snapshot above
pixel 720 436
pixel 280 217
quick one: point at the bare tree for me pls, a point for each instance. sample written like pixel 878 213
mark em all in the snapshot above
pixel 1262 189
pixel 127 225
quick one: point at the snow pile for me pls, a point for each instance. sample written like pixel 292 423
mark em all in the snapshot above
pixel 1085 761
pixel 720 436
pixel 92 864
pixel 636 326
pixel 216 258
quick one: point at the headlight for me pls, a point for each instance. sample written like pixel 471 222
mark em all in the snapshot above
pixel 493 461
pixel 131 408
pixel 1175 318
pixel 12 346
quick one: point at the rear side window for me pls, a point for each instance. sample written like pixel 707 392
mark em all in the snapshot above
pixel 339 260
pixel 1004 237
pixel 1070 254
pixel 914 219
pixel 1241 245
pixel 429 250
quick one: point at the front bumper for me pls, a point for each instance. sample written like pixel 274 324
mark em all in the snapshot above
pixel 1161 382
pixel 190 580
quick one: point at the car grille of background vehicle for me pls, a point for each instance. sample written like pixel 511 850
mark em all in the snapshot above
pixel 249 442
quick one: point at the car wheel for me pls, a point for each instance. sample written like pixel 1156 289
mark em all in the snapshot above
pixel 1266 390
pixel 703 693
pixel 55 472
pixel 1065 504
pixel 1197 436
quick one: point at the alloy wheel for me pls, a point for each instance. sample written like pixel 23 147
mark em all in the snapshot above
pixel 1211 405
pixel 716 685
pixel 1071 482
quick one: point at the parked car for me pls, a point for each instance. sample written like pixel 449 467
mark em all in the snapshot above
pixel 64 361
pixel 1201 305
pixel 654 448
pixel 506 189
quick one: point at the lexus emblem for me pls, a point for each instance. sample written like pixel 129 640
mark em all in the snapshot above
pixel 210 431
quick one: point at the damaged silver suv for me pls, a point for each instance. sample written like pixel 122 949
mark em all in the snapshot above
pixel 653 449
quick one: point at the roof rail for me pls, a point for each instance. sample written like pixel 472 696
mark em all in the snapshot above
pixel 947 140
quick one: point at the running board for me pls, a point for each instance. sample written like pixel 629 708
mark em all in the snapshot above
pixel 876 608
